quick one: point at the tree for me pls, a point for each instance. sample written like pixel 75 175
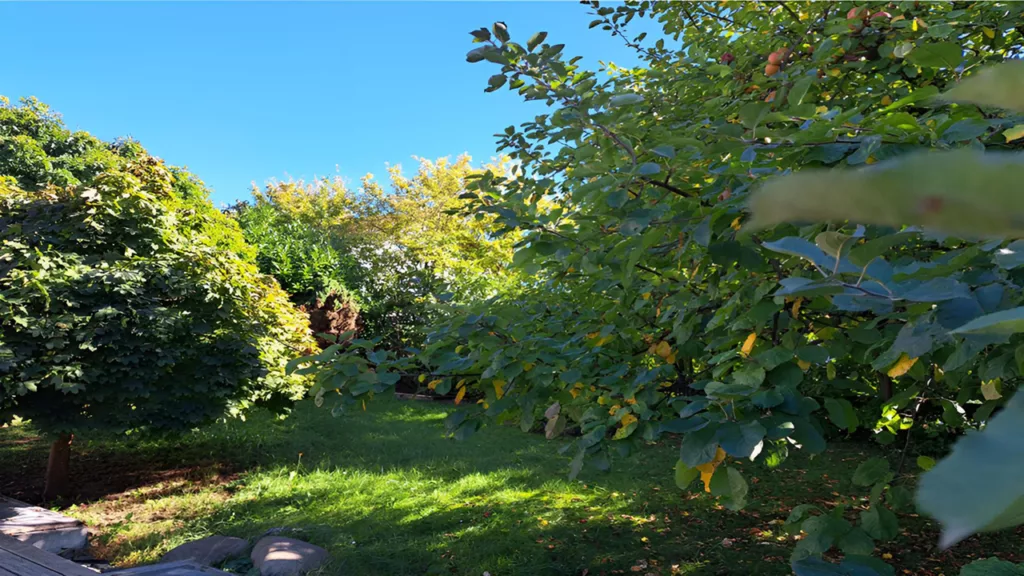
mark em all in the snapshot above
pixel 126 300
pixel 653 311
pixel 392 250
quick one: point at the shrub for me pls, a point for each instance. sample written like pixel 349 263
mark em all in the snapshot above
pixel 126 300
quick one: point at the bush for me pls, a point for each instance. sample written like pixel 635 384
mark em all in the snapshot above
pixel 126 300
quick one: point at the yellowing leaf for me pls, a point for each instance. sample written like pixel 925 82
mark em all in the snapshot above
pixel 1015 133
pixel 748 344
pixel 433 384
pixel 614 408
pixel 886 100
pixel 499 388
pixel 422 377
pixel 989 33
pixel 902 366
pixel 646 295
pixel 990 391
pixel 631 401
pixel 364 405
pixel 796 307
pixel 671 358
pixel 803 364
pixel 461 383
pixel 459 348
pixel 460 395
pixel 628 419
pixel 527 366
pixel 707 469
pixel 663 349
pixel 913 25
pixel 604 340
pixel 736 223
pixel 602 400
pixel 871 160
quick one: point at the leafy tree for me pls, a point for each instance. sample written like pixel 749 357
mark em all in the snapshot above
pixel 395 250
pixel 126 300
pixel 655 312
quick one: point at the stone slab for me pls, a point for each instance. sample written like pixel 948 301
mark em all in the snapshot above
pixel 280 556
pixel 209 550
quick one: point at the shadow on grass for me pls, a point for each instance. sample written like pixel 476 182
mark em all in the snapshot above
pixel 387 493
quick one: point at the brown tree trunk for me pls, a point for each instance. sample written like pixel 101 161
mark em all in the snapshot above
pixel 886 388
pixel 58 468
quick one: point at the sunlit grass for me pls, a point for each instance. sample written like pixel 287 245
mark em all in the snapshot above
pixel 386 492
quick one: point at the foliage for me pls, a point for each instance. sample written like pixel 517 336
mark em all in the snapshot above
pixel 126 300
pixel 394 250
pixel 660 314
pixel 308 263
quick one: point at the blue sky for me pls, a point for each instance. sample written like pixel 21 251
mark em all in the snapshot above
pixel 243 93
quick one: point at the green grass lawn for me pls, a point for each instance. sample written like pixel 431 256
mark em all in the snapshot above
pixel 387 493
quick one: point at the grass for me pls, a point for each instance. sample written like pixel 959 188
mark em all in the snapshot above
pixel 387 493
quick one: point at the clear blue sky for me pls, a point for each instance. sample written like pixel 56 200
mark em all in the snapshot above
pixel 243 93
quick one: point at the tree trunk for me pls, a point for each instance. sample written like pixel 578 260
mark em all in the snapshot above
pixel 58 469
pixel 886 388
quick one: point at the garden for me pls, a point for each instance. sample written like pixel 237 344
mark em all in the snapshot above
pixel 750 307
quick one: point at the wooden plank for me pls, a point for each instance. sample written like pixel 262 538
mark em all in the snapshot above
pixel 45 560
pixel 23 566
pixel 181 568
pixel 18 517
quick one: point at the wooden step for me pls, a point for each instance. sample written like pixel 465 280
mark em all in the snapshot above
pixel 20 559
pixel 42 528
pixel 183 568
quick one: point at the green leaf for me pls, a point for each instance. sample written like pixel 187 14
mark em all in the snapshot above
pixel 992 567
pixel 937 55
pixel 880 523
pixel 685 475
pixel 1003 322
pixel 857 541
pixel 1001 86
pixel 922 93
pixel 648 169
pixel 871 471
pixel 742 440
pixel 536 40
pixel 570 376
pixel 500 31
pixel 965 130
pixel 728 391
pixel 863 254
pixel 799 90
pixel 925 463
pixel 841 413
pixel 977 488
pixel 617 198
pixel 899 497
pixel 728 484
pixel 960 192
pixel 665 151
pixel 752 114
pixel 699 447
pixel 625 100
